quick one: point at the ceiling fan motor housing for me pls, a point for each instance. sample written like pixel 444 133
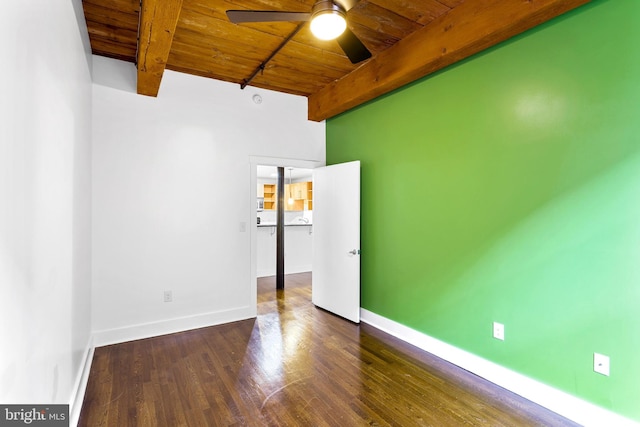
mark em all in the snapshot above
pixel 324 6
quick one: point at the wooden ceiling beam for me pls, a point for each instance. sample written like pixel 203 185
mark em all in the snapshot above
pixel 467 29
pixel 158 21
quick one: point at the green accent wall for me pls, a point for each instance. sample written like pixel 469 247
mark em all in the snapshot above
pixel 507 188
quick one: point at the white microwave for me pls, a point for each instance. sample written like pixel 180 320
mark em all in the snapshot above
pixel 260 204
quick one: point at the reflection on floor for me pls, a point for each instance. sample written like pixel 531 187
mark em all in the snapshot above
pixel 294 365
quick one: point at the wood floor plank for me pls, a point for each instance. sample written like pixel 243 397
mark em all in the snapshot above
pixel 294 365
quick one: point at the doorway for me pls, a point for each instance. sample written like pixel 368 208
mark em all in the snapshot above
pixel 301 169
pixel 298 220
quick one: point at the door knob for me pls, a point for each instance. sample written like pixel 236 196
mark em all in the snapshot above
pixel 354 252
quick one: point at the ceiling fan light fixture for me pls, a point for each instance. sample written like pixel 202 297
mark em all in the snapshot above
pixel 328 20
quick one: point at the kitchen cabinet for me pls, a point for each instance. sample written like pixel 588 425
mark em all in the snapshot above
pixel 269 194
pixel 302 195
pixel 300 192
pixel 309 199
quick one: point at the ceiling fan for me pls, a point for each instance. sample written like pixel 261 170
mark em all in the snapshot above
pixel 328 21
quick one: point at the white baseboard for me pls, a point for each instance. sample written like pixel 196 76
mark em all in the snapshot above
pixel 80 385
pixel 562 403
pixel 170 326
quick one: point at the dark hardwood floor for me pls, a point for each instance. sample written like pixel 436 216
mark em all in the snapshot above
pixel 294 365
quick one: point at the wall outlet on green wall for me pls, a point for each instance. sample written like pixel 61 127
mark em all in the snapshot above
pixel 498 331
pixel 601 364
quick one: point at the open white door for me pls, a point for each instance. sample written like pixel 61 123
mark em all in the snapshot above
pixel 336 239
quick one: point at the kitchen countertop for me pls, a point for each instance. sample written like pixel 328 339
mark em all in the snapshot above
pixel 273 224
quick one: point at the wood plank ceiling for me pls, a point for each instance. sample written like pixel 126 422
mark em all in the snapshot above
pixel 408 39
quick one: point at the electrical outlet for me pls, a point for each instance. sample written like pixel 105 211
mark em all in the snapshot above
pixel 498 331
pixel 168 296
pixel 601 364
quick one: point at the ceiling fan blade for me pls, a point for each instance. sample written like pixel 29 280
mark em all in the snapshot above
pixel 353 47
pixel 239 16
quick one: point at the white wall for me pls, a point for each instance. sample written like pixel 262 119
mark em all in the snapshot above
pixel 45 184
pixel 172 191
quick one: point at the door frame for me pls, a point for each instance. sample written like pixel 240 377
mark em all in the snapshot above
pixel 254 161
